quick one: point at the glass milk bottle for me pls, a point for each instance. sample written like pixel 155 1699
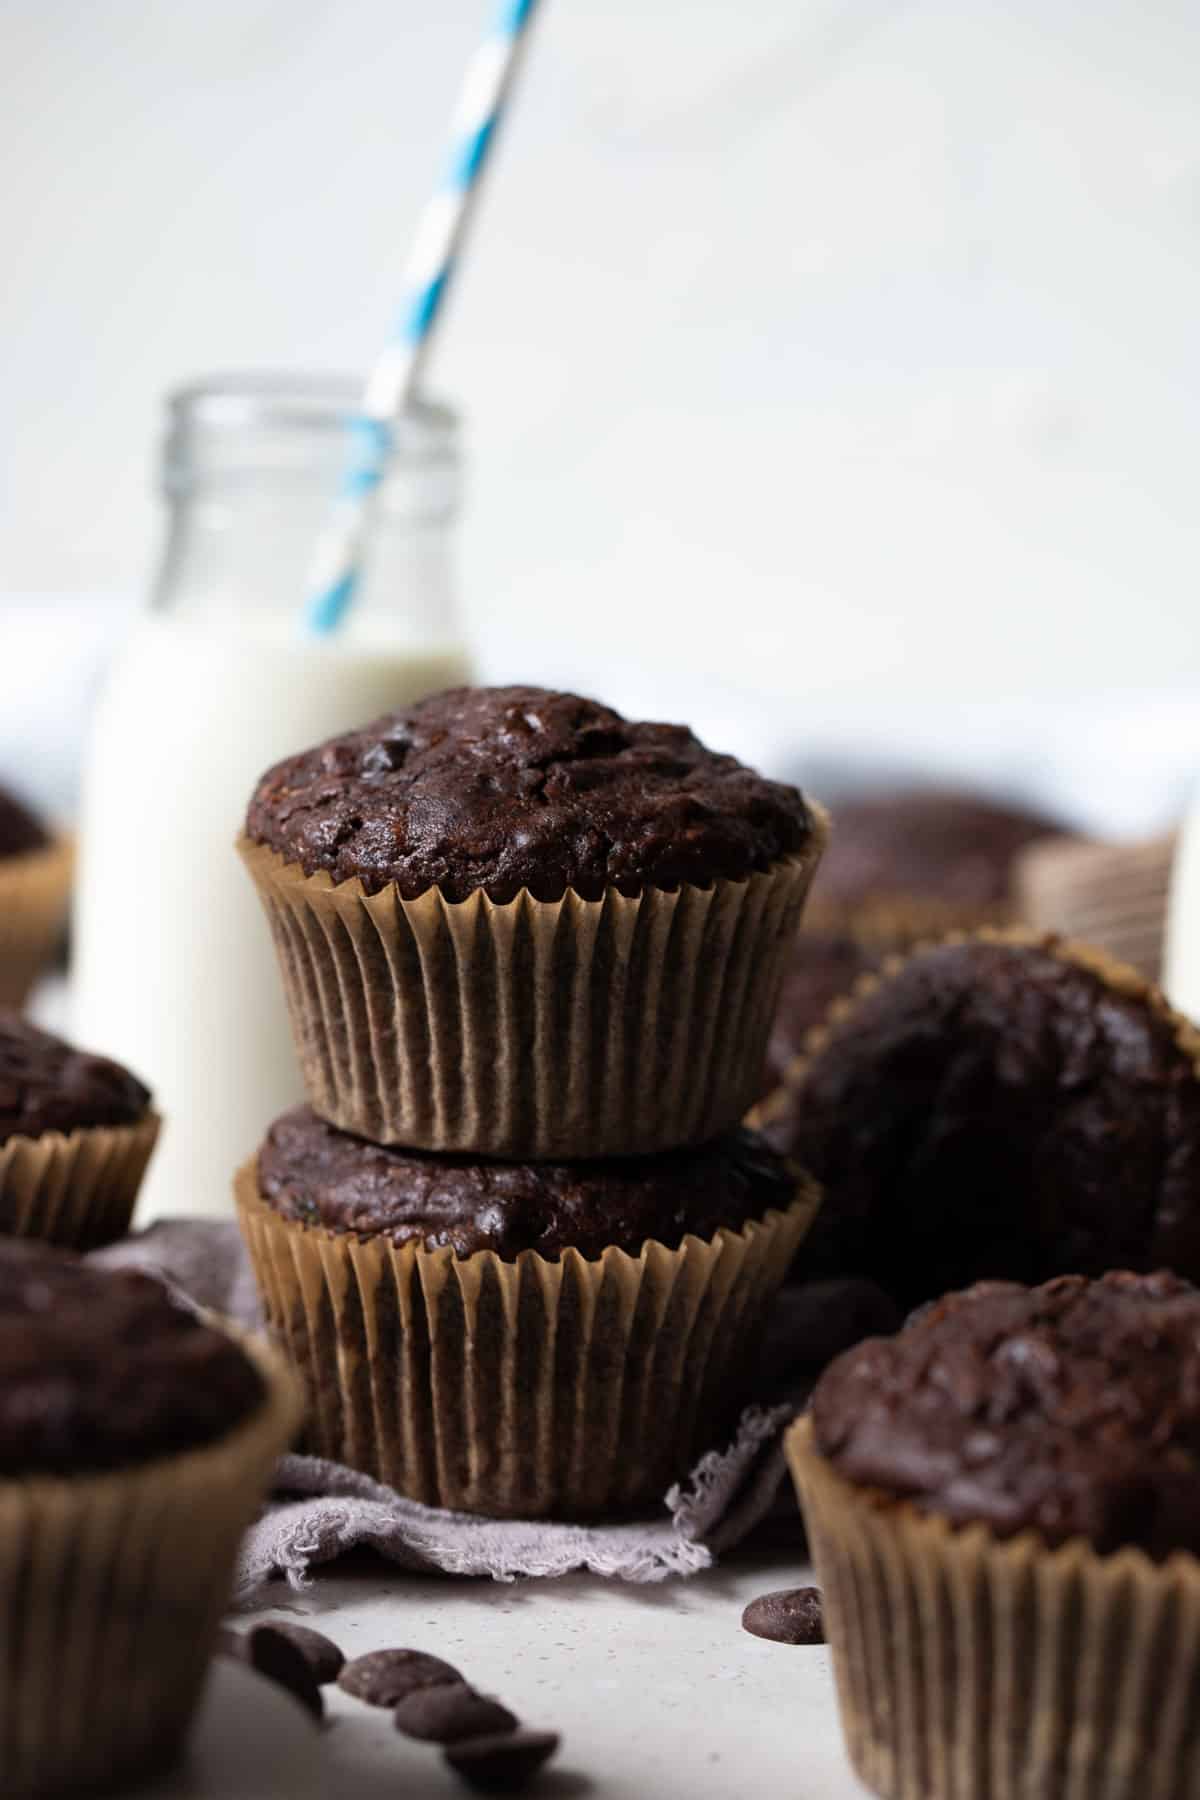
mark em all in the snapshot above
pixel 174 970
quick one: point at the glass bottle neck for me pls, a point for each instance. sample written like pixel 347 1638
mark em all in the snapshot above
pixel 250 468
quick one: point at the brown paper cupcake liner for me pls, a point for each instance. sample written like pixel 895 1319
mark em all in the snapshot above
pixel 1111 895
pixel 111 1590
pixel 76 1189
pixel 521 1389
pixel 1120 976
pixel 536 1029
pixel 974 1668
pixel 35 888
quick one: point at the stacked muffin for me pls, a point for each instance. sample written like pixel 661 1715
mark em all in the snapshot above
pixel 518 1246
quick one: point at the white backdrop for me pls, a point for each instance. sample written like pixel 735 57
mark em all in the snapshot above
pixel 836 350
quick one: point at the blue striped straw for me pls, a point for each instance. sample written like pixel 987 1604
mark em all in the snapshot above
pixel 431 266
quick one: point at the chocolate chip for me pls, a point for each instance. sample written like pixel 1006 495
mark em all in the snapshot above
pixel 788 1616
pixel 446 1714
pixel 266 1650
pixel 502 1765
pixel 385 1677
pixel 319 1652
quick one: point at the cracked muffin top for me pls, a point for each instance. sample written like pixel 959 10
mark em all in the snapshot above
pixel 504 789
pixel 99 1368
pixel 310 1172
pixel 1071 1409
pixel 47 1085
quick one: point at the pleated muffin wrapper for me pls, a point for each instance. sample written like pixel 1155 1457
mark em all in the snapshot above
pixel 1112 895
pixel 970 1667
pixel 35 888
pixel 111 1590
pixel 565 1388
pixel 535 1029
pixel 76 1189
pixel 1119 976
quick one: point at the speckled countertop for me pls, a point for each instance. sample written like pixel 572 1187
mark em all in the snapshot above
pixel 657 1691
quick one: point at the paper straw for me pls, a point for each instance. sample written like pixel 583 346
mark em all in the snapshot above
pixel 431 266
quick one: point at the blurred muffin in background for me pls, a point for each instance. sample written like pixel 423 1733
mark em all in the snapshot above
pixel 914 863
pixel 35 881
pixel 1111 895
pixel 902 865
pixel 1005 1106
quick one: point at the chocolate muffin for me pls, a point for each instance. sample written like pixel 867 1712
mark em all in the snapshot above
pixel 517 789
pixel 100 1369
pixel 511 923
pixel 46 1085
pixel 311 1173
pixel 919 862
pixel 76 1134
pixel 1013 1484
pixel 35 875
pixel 135 1444
pixel 518 1340
pixel 1071 1410
pixel 1002 1106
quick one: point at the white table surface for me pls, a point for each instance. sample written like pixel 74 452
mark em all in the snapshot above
pixel 657 1692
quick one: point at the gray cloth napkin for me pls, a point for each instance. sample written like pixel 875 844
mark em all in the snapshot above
pixel 319 1510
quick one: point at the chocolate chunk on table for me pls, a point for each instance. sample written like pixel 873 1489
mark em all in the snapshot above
pixel 320 1653
pixel 269 1652
pixel 450 1712
pixel 502 1765
pixel 386 1677
pixel 787 1616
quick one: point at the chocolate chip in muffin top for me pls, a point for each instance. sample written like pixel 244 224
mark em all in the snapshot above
pixel 996 1110
pixel 311 1172
pixel 100 1369
pixel 20 830
pixel 45 1085
pixel 504 789
pixel 1071 1409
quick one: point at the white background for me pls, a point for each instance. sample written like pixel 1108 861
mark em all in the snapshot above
pixel 832 349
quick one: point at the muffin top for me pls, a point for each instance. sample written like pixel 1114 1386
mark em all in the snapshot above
pixel 823 966
pixel 502 789
pixel 45 1085
pixel 993 1109
pixel 100 1369
pixel 20 830
pixel 1071 1409
pixel 309 1172
pixel 938 844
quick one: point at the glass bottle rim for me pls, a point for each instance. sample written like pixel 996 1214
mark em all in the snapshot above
pixel 325 404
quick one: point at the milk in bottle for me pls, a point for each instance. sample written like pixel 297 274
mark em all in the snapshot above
pixel 174 971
